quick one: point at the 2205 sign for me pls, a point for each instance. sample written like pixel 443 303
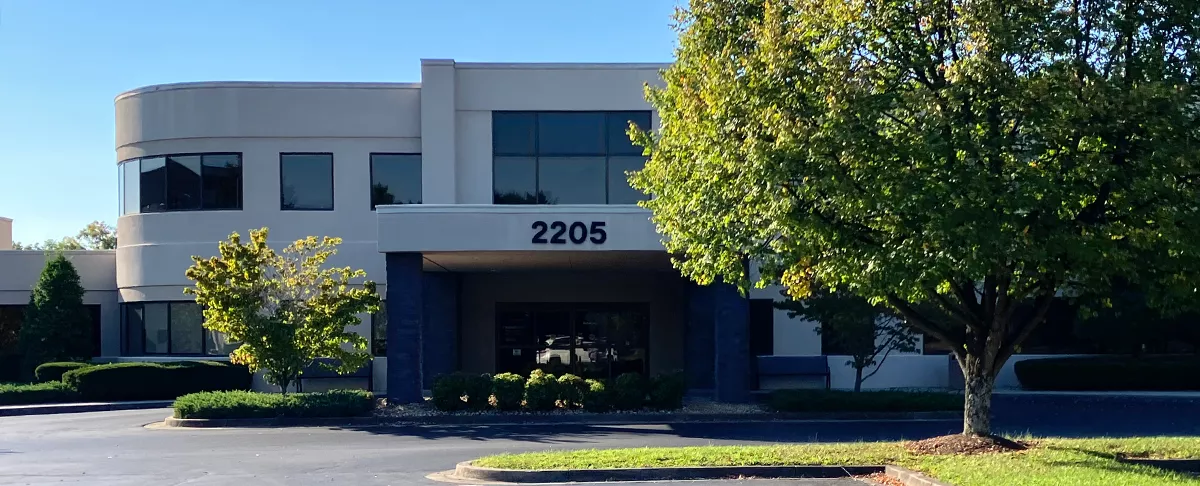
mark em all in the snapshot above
pixel 577 232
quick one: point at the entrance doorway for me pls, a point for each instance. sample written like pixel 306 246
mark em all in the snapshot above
pixel 594 340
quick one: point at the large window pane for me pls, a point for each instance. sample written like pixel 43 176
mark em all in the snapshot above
pixel 153 185
pixel 218 344
pixel 514 133
pixel 570 133
pixel 514 180
pixel 132 173
pixel 618 124
pixel 379 332
pixel 156 328
pixel 183 182
pixel 120 189
pixel 571 180
pixel 619 190
pixel 222 181
pixel 306 181
pixel 132 331
pixel 395 179
pixel 187 336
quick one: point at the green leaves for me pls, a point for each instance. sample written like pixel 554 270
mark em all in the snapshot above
pixel 286 309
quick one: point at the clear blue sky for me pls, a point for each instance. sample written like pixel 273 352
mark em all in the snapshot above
pixel 62 63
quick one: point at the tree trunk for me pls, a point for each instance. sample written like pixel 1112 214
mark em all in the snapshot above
pixel 977 407
pixel 283 385
pixel 858 379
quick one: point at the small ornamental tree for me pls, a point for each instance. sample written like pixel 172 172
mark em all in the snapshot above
pixel 285 309
pixel 868 333
pixel 57 326
pixel 962 156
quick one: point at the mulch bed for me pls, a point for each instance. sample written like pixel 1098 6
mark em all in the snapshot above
pixel 881 479
pixel 964 445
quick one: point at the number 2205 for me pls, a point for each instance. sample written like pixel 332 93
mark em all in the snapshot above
pixel 577 232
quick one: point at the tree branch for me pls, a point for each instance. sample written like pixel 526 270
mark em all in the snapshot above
pixel 916 320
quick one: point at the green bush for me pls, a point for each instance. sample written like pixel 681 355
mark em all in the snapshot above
pixel 248 404
pixel 866 401
pixel 570 391
pixel 597 397
pixel 448 392
pixel 667 391
pixel 508 389
pixel 629 391
pixel 478 391
pixel 53 371
pixel 25 394
pixel 541 391
pixel 1108 373
pixel 155 381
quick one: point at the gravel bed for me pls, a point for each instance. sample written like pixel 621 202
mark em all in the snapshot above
pixel 697 407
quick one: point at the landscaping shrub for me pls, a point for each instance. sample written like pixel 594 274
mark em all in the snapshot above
pixel 508 389
pixel 448 391
pixel 248 404
pixel 597 397
pixel 570 391
pixel 25 394
pixel 478 391
pixel 1107 373
pixel 53 371
pixel 867 401
pixel 629 391
pixel 155 381
pixel 541 391
pixel 667 391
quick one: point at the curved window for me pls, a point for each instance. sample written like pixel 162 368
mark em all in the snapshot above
pixel 180 182
pixel 173 328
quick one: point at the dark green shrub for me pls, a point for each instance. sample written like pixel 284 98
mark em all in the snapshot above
pixel 1107 373
pixel 597 398
pixel 541 391
pixel 629 391
pixel 25 394
pixel 155 381
pixel 54 371
pixel 667 391
pixel 570 391
pixel 57 326
pixel 508 389
pixel 448 392
pixel 248 404
pixel 478 391
pixel 867 401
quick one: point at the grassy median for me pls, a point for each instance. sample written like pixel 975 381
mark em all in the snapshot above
pixel 1048 462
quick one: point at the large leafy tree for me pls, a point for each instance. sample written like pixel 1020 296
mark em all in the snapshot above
pixel 97 235
pixel 286 309
pixel 969 155
pixel 57 326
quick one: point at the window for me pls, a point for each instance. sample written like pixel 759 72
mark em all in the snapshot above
pixel 762 327
pixel 180 182
pixel 306 182
pixel 395 179
pixel 379 331
pixel 565 157
pixel 174 328
pixel 594 340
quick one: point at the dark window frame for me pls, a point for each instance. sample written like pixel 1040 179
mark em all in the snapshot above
pixel 537 148
pixel 332 182
pixel 167 189
pixel 572 308
pixel 371 175
pixel 126 308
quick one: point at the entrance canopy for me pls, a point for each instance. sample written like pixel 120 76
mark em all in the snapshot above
pixel 519 261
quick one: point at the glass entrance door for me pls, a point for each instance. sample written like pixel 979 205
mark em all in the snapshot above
pixel 590 340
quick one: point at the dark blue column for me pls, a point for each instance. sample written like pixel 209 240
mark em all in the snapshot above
pixel 405 285
pixel 731 326
pixel 440 334
pixel 698 359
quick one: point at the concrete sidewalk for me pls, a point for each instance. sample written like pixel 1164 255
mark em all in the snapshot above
pixel 52 408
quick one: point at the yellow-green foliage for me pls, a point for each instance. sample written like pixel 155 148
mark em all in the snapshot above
pixel 285 308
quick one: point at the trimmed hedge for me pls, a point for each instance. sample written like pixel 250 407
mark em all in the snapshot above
pixel 667 391
pixel 25 394
pixel 508 390
pixel 541 391
pixel 629 391
pixel 247 404
pixel 1110 373
pixel 865 401
pixel 53 371
pixel 597 398
pixel 570 391
pixel 155 381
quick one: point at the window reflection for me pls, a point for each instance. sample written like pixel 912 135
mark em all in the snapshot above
pixel 590 340
pixel 395 179
pixel 183 179
pixel 572 180
pixel 174 328
pixel 185 182
pixel 306 181
pixel 153 185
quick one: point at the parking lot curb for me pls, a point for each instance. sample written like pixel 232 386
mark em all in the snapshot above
pixel 468 471
pixel 55 408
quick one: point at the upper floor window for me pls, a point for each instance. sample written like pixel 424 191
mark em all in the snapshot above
pixel 306 181
pixel 181 182
pixel 395 179
pixel 559 157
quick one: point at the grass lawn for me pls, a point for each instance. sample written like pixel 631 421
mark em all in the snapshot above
pixel 1050 462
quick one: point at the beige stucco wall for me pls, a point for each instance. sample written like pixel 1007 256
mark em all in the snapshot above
pixel 6 240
